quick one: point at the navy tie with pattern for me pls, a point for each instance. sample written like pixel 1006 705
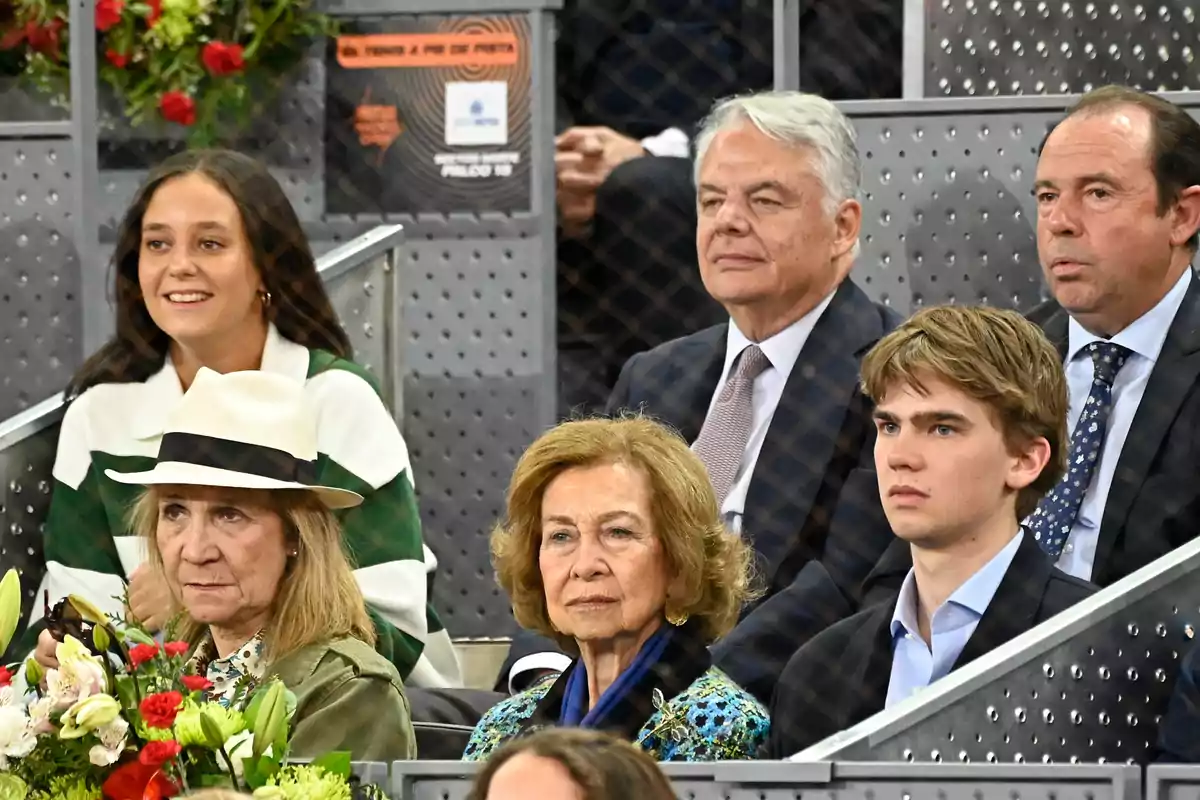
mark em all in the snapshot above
pixel 1051 523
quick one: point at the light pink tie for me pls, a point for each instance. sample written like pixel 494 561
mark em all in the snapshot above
pixel 722 440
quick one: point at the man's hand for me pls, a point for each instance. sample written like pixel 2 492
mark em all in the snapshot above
pixel 583 159
pixel 150 600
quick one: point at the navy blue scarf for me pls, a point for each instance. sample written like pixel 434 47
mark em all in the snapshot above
pixel 574 712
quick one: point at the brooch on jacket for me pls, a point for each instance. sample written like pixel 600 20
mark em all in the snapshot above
pixel 672 723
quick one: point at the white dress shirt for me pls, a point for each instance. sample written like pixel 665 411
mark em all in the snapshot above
pixel 781 350
pixel 1145 338
pixel 670 143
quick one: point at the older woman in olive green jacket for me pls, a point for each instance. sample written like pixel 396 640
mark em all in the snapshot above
pixel 252 553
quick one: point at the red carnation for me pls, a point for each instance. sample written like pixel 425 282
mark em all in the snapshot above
pixel 108 13
pixel 155 13
pixel 44 39
pixel 155 754
pixel 222 59
pixel 5 676
pixel 176 648
pixel 178 107
pixel 134 780
pixel 195 683
pixel 159 710
pixel 118 60
pixel 142 653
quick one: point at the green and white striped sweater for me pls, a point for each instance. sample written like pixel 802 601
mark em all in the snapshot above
pixel 118 426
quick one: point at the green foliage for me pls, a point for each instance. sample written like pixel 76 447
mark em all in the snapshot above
pixel 148 50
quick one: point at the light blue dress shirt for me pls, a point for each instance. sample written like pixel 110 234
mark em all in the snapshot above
pixel 1145 337
pixel 916 665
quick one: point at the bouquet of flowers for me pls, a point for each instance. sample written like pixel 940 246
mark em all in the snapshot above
pixel 123 718
pixel 198 63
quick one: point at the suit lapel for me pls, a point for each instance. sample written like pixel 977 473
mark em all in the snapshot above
pixel 804 433
pixel 1173 376
pixel 874 666
pixel 1014 608
pixel 688 380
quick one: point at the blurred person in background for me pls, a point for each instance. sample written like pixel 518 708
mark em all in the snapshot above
pixel 570 765
pixel 212 269
pixel 613 545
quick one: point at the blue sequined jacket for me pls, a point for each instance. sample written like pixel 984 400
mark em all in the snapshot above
pixel 712 719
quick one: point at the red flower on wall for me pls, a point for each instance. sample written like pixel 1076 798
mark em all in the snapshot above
pixel 222 59
pixel 118 60
pixel 42 39
pixel 178 107
pixel 155 13
pixel 108 13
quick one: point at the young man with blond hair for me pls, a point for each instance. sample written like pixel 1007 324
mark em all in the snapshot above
pixel 970 415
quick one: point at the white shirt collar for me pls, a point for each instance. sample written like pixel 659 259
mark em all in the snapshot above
pixel 1145 335
pixel 162 390
pixel 783 348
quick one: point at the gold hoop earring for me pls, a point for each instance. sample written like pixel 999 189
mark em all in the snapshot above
pixel 677 618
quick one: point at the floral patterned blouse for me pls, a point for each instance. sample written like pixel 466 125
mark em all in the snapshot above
pixel 234 676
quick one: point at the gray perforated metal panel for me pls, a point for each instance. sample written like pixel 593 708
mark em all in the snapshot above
pixel 989 47
pixel 1088 686
pixel 465 435
pixel 1173 782
pixel 471 307
pixel 415 780
pixel 118 187
pixel 948 208
pixel 948 211
pixel 473 322
pixel 25 470
pixel 361 298
pixel 39 272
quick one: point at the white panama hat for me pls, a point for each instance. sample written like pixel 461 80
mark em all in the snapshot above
pixel 245 430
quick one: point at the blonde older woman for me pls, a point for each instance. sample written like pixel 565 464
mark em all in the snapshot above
pixel 613 545
pixel 252 554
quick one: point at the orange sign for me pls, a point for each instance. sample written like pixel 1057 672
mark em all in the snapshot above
pixel 427 50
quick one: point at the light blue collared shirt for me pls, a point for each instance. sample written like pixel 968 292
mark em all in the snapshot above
pixel 915 665
pixel 1145 337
